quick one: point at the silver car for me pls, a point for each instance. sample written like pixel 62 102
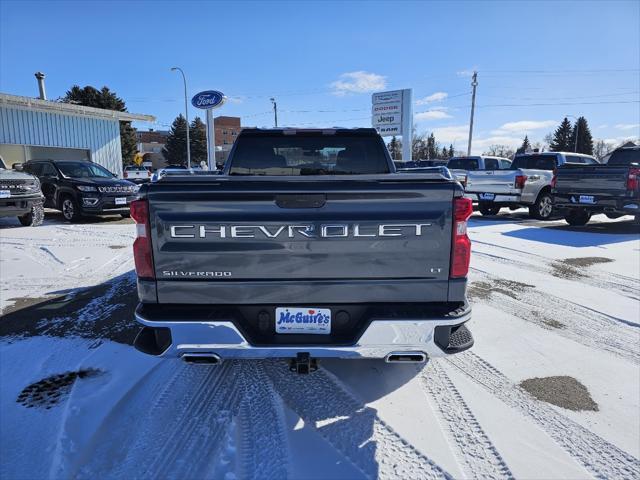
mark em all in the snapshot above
pixel 527 183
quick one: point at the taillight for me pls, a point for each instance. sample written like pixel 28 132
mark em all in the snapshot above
pixel 142 244
pixel 125 174
pixel 554 181
pixel 460 244
pixel 633 180
pixel 520 181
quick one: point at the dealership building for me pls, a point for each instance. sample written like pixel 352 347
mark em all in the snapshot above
pixel 33 128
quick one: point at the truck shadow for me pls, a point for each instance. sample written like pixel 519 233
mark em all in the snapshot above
pixel 591 235
pixel 104 311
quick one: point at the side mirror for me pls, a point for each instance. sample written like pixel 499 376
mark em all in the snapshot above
pixel 18 167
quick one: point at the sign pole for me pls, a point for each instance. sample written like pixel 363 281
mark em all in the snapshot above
pixel 211 141
pixel 208 100
pixel 407 124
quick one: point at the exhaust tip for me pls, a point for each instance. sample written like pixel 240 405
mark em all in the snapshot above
pixel 201 358
pixel 406 357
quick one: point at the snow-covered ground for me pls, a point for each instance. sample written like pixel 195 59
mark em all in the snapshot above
pixel 77 401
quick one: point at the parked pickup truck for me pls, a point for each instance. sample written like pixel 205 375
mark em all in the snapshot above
pixel 579 191
pixel 136 174
pixel 308 245
pixel 461 166
pixel 20 196
pixel 526 184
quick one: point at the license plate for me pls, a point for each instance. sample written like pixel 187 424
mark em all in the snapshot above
pixel 587 199
pixel 5 193
pixel 121 201
pixel 307 320
pixel 487 196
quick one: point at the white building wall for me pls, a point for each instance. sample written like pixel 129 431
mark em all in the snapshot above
pixel 101 136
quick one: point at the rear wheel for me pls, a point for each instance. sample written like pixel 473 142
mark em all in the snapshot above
pixel 70 209
pixel 489 209
pixel 34 217
pixel 543 208
pixel 577 217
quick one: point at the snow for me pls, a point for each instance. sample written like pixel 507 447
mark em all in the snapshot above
pixel 459 417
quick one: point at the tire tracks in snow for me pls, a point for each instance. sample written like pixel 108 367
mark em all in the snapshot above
pixel 581 324
pixel 180 421
pixel 601 458
pixel 353 429
pixel 474 450
pixel 607 281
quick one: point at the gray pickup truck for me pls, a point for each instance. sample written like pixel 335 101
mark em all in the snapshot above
pixel 526 184
pixel 20 196
pixel 307 246
pixel 580 191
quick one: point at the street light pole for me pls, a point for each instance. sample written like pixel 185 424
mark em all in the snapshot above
pixel 474 84
pixel 186 113
pixel 275 111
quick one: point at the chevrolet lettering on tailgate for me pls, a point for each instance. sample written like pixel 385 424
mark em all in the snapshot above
pixel 334 230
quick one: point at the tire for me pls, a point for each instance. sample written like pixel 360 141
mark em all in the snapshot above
pixel 577 217
pixel 543 208
pixel 613 216
pixel 489 209
pixel 70 209
pixel 35 217
pixel 125 215
pixel 636 219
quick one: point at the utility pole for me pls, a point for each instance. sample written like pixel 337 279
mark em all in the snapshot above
pixel 275 111
pixel 186 113
pixel 577 128
pixel 474 84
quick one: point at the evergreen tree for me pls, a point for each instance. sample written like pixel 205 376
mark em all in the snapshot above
pixel 451 153
pixel 394 147
pixel 198 141
pixel 432 147
pixel 562 138
pixel 585 140
pixel 105 98
pixel 175 150
pixel 525 147
pixel 444 153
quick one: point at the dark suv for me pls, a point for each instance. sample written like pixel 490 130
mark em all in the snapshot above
pixel 78 187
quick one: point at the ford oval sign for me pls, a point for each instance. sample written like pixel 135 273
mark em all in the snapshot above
pixel 208 99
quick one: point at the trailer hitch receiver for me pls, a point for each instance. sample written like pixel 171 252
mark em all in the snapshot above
pixel 303 364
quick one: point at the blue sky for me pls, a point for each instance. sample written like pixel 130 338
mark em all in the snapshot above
pixel 322 60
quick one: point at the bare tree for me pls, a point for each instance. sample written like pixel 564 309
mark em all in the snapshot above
pixel 601 148
pixel 500 151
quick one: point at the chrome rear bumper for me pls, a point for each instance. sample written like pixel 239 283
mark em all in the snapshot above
pixel 381 339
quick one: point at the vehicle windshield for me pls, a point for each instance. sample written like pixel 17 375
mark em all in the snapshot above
pixel 83 170
pixel 463 164
pixel 624 157
pixel 309 155
pixel 534 162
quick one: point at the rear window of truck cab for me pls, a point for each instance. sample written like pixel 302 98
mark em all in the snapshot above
pixel 463 164
pixel 308 154
pixel 625 157
pixel 535 162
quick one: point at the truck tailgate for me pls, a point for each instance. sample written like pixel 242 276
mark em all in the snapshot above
pixel 602 180
pixel 285 238
pixel 492 181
